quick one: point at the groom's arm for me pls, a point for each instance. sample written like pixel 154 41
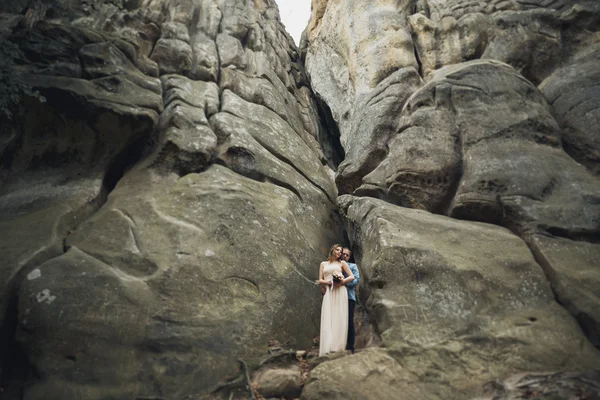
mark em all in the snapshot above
pixel 354 269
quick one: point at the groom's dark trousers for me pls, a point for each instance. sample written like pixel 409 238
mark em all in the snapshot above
pixel 351 333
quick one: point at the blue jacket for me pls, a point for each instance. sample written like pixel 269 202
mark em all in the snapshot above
pixel 351 285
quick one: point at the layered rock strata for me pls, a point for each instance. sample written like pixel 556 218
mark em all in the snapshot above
pixel 499 124
pixel 494 120
pixel 352 46
pixel 167 206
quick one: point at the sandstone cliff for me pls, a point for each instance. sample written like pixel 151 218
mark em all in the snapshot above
pixel 478 111
pixel 165 210
pixel 174 171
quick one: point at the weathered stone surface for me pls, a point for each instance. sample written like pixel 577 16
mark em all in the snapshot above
pixel 477 140
pixel 275 135
pixel 277 99
pixel 447 158
pixel 529 40
pixel 574 94
pixel 56 173
pixel 201 304
pixel 206 59
pixel 351 47
pixel 59 168
pixel 572 268
pixel 375 119
pixel 279 382
pixel 55 300
pixel 514 170
pixel 179 194
pixel 447 295
pixel 371 374
pixel 531 36
pixel 187 140
pixel 172 56
pixel 164 213
pixel 448 40
pixel 545 385
pixel 105 59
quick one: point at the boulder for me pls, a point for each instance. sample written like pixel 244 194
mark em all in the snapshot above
pixel 457 304
pixel 198 304
pixel 370 374
pixel 279 382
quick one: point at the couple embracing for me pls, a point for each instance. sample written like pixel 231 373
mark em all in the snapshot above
pixel 338 279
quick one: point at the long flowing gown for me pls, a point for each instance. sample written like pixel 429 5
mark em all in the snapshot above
pixel 334 314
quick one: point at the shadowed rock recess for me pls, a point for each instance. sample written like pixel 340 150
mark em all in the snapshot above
pixel 164 210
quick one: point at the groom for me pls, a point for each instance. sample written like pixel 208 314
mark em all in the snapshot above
pixel 350 286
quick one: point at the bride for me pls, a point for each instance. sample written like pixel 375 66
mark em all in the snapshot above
pixel 334 310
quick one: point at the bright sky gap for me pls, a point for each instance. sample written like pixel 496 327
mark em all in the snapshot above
pixel 294 15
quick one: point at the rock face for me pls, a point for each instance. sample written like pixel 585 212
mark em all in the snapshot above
pixel 573 93
pixel 167 205
pixel 480 111
pixel 444 150
pixel 448 296
pixel 572 268
pixel 163 211
pixel 544 385
pixel 353 46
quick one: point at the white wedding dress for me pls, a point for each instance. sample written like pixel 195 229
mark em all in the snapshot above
pixel 334 314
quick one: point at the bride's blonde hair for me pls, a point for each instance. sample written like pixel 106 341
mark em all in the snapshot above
pixel 331 257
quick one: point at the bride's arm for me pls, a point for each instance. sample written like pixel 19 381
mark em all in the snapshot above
pixel 348 272
pixel 321 280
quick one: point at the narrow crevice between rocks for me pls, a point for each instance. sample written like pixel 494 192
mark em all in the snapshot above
pixel 329 135
pixel 579 155
pixel 292 165
pixel 417 58
pixel 11 142
pixel 193 31
pixel 421 7
pixel 578 236
pixel 585 322
pixel 125 160
pixel 213 156
pixel 447 204
pixel 219 31
pixel 118 166
pixel 459 168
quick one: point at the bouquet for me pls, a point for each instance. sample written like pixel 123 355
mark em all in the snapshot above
pixel 337 277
